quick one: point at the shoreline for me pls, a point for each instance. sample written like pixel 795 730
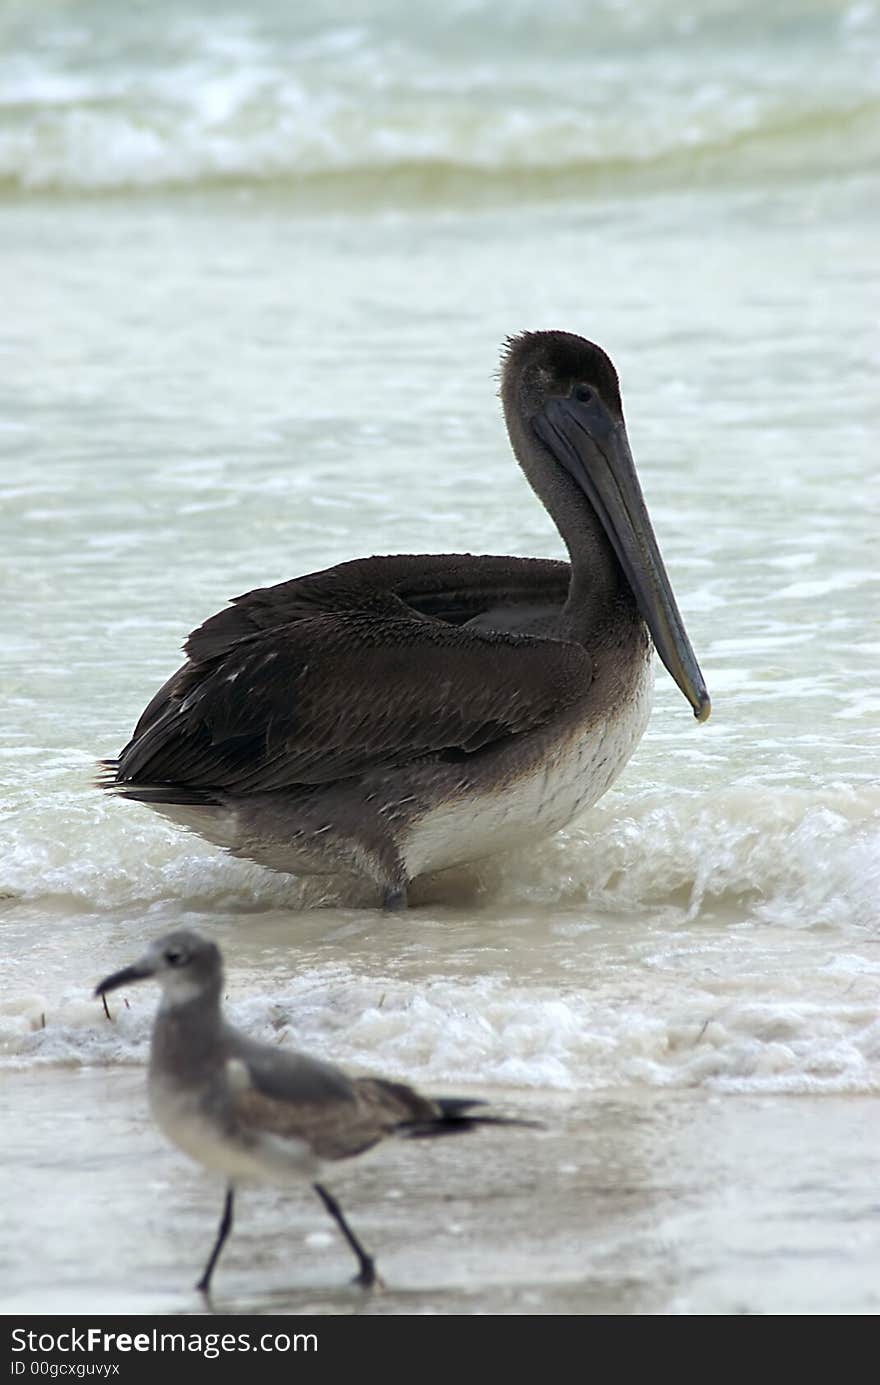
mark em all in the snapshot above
pixel 628 1203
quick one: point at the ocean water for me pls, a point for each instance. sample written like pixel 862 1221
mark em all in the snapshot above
pixel 258 263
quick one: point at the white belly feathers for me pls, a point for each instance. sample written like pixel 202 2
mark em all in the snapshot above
pixel 534 804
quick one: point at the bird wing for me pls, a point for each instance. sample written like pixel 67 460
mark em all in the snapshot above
pixel 284 1074
pixel 332 1130
pixel 351 678
pixel 299 1098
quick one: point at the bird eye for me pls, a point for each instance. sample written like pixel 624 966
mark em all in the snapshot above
pixel 583 394
pixel 174 958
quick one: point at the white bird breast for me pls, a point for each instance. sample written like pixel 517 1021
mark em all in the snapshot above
pixel 532 805
pixel 238 1155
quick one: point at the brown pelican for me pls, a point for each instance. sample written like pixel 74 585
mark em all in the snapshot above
pixel 394 716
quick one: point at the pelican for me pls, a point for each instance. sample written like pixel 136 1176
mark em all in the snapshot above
pixel 395 716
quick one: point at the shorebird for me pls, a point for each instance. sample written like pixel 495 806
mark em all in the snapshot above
pixel 254 1112
pixel 394 716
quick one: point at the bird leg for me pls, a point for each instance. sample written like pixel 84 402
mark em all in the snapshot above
pixel 394 899
pixel 366 1276
pixel 223 1231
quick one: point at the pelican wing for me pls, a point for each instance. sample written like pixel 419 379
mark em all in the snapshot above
pixel 346 680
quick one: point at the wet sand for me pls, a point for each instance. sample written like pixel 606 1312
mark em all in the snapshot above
pixel 663 1203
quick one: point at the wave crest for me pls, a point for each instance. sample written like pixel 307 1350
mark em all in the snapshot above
pixel 394 122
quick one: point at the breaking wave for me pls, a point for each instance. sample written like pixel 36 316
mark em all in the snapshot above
pixel 393 107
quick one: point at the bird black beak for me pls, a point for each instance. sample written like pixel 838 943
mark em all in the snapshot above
pixel 591 444
pixel 140 971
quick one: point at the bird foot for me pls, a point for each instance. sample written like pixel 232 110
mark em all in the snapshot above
pixel 367 1277
pixel 393 901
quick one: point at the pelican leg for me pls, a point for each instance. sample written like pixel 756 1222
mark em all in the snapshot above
pixel 204 1284
pixel 366 1275
pixel 394 899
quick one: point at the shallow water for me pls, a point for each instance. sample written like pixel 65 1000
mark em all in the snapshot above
pixel 627 1203
pixel 257 273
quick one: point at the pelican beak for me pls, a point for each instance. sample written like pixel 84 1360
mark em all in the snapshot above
pixel 590 443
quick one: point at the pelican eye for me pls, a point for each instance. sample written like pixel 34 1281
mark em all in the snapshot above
pixel 583 394
pixel 175 956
